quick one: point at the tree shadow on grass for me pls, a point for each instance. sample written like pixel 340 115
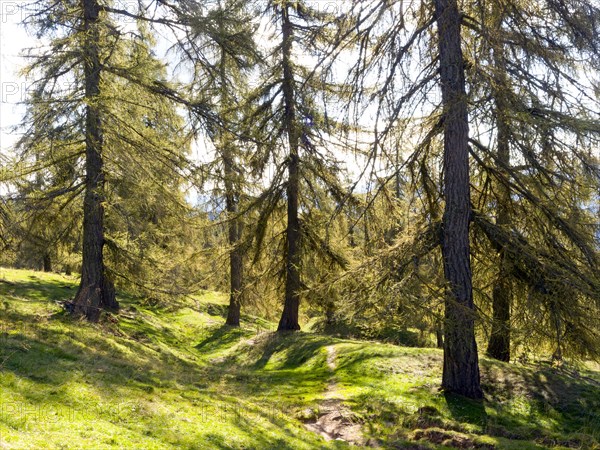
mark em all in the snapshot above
pixel 244 370
pixel 261 420
pixel 37 289
pixel 574 401
pixel 222 336
pixel 61 362
pixel 466 410
pixel 57 348
pixel 296 348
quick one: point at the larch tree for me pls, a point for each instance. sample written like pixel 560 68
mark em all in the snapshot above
pixel 517 90
pixel 295 138
pixel 44 203
pixel 289 316
pixel 220 43
pixel 461 366
pixel 215 41
pixel 499 342
pixel 73 58
pixel 391 40
pixel 525 59
pixel 96 290
pixel 79 110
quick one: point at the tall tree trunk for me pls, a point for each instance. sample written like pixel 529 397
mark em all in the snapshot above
pixel 499 342
pixel 439 338
pixel 236 262
pixel 351 232
pixel 47 260
pixel 96 291
pixel 368 247
pixel 289 317
pixel 461 365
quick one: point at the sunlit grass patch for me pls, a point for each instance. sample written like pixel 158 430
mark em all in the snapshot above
pixel 174 376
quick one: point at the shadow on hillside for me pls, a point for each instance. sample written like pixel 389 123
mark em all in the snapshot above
pixel 572 400
pixel 271 371
pixel 465 410
pixel 39 289
pixel 295 348
pixel 521 403
pixel 56 363
pixel 256 416
pixel 269 366
pixel 53 355
pixel 54 351
pixel 144 333
pixel 223 336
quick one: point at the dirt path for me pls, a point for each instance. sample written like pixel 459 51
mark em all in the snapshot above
pixel 335 421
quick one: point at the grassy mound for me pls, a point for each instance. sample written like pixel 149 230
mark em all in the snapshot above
pixel 161 378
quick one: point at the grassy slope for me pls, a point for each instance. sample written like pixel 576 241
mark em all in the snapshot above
pixel 175 378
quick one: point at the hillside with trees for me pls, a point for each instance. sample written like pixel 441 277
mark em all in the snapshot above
pixel 362 223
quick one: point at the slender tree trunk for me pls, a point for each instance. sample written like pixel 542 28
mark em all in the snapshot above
pixel 289 317
pixel 330 313
pixel 351 233
pixel 461 365
pixel 439 335
pixel 368 244
pixel 96 291
pixel 47 260
pixel 236 262
pixel 499 342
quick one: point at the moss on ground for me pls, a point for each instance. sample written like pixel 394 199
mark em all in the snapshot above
pixel 162 378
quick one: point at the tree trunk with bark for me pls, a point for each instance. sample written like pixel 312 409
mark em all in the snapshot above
pixel 47 261
pixel 499 342
pixel 96 292
pixel 289 317
pixel 461 365
pixel 439 335
pixel 232 195
pixel 236 262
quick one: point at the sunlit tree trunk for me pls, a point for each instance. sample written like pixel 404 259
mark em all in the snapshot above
pixel 236 263
pixel 96 291
pixel 461 365
pixel 232 195
pixel 289 317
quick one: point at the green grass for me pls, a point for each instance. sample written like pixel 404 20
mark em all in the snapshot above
pixel 175 377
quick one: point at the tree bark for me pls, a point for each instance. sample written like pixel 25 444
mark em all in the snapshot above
pixel 47 261
pixel 461 365
pixel 96 291
pixel 232 195
pixel 289 317
pixel 439 335
pixel 499 342
pixel 236 263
